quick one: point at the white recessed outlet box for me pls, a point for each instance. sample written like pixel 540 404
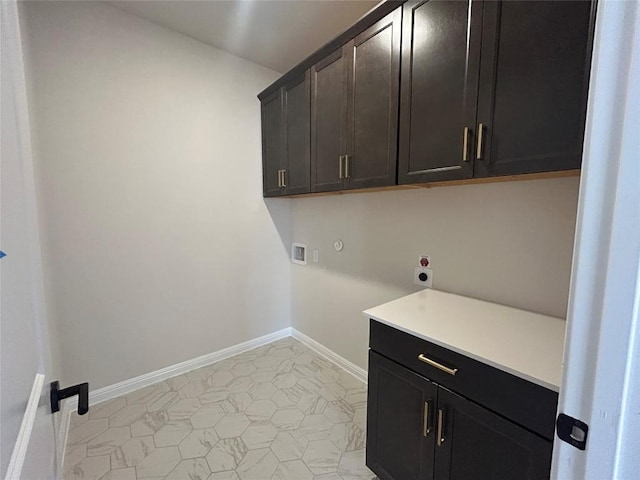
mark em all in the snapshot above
pixel 315 256
pixel 423 277
pixel 299 253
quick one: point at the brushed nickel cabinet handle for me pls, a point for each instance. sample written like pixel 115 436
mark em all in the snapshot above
pixel 347 174
pixel 284 178
pixel 426 429
pixel 440 439
pixel 279 178
pixel 465 144
pixel 439 366
pixel 480 135
pixel 341 167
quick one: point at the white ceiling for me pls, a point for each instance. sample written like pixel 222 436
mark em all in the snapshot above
pixel 273 33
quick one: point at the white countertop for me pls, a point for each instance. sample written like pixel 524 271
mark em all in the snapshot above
pixel 526 344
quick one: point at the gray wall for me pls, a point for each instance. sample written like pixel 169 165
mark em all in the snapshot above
pixel 158 245
pixel 509 243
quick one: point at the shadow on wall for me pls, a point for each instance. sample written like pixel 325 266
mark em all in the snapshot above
pixel 280 211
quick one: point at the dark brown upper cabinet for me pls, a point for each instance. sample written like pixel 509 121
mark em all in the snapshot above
pixel 271 113
pixel 328 122
pixel 493 88
pixel 431 91
pixel 534 79
pixel 440 65
pixel 286 139
pixel 354 111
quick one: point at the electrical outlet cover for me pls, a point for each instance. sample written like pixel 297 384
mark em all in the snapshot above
pixel 426 283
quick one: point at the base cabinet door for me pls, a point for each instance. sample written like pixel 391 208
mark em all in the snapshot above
pixel 400 428
pixel 473 443
pixel 418 430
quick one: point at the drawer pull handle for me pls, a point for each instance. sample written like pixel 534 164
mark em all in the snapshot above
pixel 426 429
pixel 439 366
pixel 440 439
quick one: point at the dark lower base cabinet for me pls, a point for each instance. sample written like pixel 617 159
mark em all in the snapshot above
pixel 417 430
pixel 396 446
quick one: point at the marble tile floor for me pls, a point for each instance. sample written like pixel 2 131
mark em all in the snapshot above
pixel 278 412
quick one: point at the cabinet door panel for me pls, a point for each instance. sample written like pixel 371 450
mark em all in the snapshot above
pixel 372 117
pixel 297 117
pixel 272 143
pixel 479 445
pixel 396 446
pixel 440 63
pixel 533 85
pixel 328 119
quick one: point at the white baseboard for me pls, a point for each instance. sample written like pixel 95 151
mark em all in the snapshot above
pixel 131 385
pixel 14 470
pixel 127 386
pixel 353 369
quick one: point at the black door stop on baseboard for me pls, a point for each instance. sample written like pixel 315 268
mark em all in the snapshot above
pixel 82 390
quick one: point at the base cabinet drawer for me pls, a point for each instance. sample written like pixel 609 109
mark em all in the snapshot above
pixel 525 403
pixel 418 430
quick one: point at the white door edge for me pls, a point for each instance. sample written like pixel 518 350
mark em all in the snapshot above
pixel 26 427
pixel 599 379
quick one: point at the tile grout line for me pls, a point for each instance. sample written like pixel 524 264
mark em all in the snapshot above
pixel 306 364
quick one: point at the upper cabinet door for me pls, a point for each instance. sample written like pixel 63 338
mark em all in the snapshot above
pixel 475 443
pixel 440 64
pixel 372 113
pixel 534 80
pixel 296 103
pixel 272 143
pixel 328 122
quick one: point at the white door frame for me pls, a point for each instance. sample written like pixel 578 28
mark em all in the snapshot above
pixel 34 453
pixel 599 384
pixel 603 331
